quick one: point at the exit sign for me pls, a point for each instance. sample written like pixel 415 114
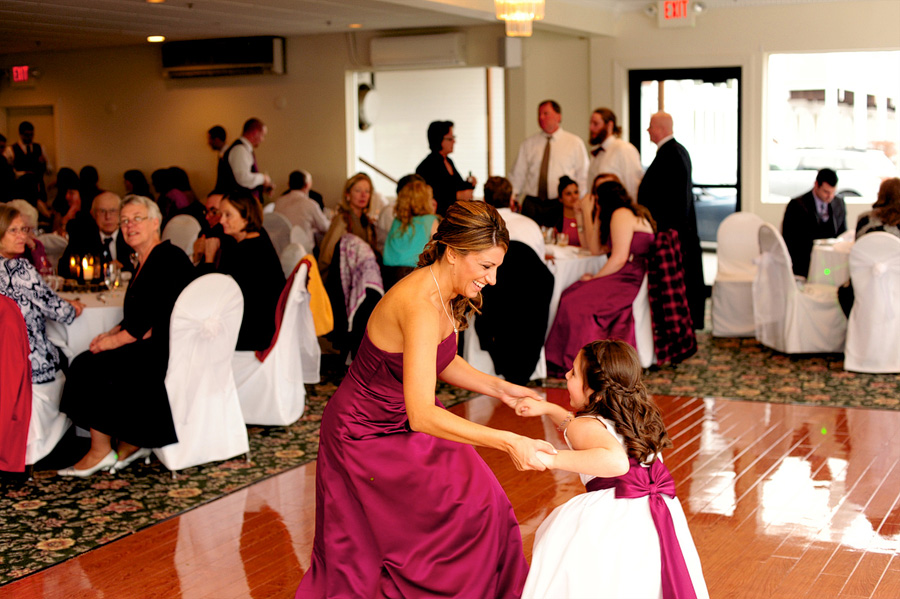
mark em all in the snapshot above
pixel 22 76
pixel 675 13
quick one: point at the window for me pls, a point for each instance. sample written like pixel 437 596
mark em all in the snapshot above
pixel 832 110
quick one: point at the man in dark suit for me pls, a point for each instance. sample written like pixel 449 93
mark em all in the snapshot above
pixel 99 237
pixel 817 214
pixel 667 191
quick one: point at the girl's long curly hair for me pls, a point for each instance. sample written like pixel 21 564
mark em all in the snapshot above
pixel 468 227
pixel 612 378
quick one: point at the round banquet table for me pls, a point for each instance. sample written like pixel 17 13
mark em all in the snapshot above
pixel 829 263
pixel 102 311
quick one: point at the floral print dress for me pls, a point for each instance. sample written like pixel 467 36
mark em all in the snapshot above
pixel 20 282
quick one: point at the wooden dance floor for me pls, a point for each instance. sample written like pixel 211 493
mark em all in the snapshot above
pixel 783 501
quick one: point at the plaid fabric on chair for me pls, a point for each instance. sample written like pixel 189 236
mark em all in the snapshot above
pixel 673 332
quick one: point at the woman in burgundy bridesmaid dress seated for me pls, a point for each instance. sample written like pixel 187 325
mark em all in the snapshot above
pixel 599 305
pixel 405 507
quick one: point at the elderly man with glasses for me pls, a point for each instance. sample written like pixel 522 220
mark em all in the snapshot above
pixel 100 236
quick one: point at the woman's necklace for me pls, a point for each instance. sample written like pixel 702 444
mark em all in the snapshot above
pixel 443 305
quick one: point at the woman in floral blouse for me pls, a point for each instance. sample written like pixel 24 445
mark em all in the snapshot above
pixel 21 282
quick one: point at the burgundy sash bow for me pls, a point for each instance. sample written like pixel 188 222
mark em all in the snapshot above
pixel 655 481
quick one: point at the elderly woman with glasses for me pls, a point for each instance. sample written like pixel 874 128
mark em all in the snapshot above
pixel 117 388
pixel 21 282
pixel 34 249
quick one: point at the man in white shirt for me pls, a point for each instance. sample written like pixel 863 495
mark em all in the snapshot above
pixel 303 211
pixel 614 155
pixel 543 158
pixel 244 172
pixel 498 193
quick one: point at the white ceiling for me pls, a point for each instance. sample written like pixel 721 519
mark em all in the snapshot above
pixel 38 25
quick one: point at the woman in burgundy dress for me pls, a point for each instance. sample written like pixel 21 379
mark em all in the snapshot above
pixel 405 507
pixel 599 305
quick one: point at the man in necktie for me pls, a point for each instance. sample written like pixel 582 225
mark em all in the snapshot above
pixel 818 214
pixel 543 158
pixel 100 236
pixel 240 156
pixel 613 155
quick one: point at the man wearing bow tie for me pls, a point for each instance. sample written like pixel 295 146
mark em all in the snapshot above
pixel 817 214
pixel 613 155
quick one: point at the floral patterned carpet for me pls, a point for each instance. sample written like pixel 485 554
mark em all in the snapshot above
pixel 50 519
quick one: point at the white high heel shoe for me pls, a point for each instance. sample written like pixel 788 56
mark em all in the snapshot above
pixel 143 452
pixel 104 464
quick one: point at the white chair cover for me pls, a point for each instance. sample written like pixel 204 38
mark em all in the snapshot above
pixel 202 394
pixel 873 344
pixel 54 245
pixel 304 237
pixel 787 317
pixel 47 424
pixel 643 326
pixel 291 256
pixel 272 392
pixel 269 208
pixel 279 229
pixel 732 297
pixel 182 230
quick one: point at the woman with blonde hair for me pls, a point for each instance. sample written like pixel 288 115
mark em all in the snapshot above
pixel 414 224
pixel 352 217
pixel 405 506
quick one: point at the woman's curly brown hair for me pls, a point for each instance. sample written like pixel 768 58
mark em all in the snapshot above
pixel 468 227
pixel 612 375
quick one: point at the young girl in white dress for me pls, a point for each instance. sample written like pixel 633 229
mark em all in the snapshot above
pixel 598 545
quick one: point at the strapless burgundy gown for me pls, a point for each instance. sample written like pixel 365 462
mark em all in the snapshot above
pixel 597 309
pixel 400 513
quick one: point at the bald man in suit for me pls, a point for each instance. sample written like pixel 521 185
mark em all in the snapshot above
pixel 667 191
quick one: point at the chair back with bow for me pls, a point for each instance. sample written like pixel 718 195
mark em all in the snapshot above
pixel 271 389
pixel 182 230
pixel 732 299
pixel 788 317
pixel 290 257
pixel 278 227
pixel 199 380
pixel 773 285
pixel 872 343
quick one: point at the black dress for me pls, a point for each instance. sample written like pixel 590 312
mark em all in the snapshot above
pixel 443 184
pixel 122 392
pixel 254 265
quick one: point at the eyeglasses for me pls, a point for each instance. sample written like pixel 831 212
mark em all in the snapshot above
pixel 136 220
pixel 18 231
pixel 107 211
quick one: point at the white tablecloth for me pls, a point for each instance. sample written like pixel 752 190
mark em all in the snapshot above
pixel 102 312
pixel 829 263
pixel 568 265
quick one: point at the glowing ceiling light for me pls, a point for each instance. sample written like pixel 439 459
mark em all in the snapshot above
pixel 519 15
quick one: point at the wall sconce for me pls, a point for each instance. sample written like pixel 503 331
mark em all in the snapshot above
pixel 519 15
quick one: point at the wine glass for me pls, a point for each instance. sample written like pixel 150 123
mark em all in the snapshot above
pixel 111 275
